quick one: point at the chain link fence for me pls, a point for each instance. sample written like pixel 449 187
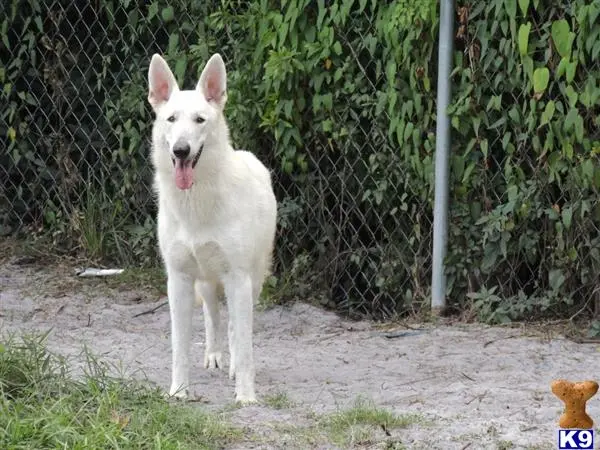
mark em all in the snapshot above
pixel 350 141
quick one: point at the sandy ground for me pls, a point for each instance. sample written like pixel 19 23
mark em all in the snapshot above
pixel 474 386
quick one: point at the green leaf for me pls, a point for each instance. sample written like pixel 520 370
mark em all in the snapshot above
pixel 455 122
pixel 390 70
pixel 168 14
pixel 556 279
pixel 484 147
pixel 179 70
pixel 562 67
pixel 152 10
pixel 328 101
pixel 528 67
pixel 489 258
pixel 476 124
pixel 570 119
pixel 571 68
pixel 561 37
pixel 506 140
pixel 541 76
pixel 596 50
pixel 568 151
pixel 571 95
pixel 337 48
pixel 468 172
pixel 524 30
pixel 321 15
pixel 587 168
pixel 548 113
pixel 524 5
pixel 400 132
pixel 5 40
pixel 593 12
pixel 511 8
pixel 513 113
pixel 173 42
pixel 408 131
pixel 458 166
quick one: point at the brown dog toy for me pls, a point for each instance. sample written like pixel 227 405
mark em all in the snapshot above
pixel 574 396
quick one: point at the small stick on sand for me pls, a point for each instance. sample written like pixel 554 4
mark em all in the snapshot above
pixel 151 311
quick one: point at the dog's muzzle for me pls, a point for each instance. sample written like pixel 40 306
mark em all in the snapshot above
pixel 182 152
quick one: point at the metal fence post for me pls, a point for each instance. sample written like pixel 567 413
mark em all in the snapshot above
pixel 442 155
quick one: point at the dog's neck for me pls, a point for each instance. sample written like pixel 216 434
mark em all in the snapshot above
pixel 218 139
pixel 217 148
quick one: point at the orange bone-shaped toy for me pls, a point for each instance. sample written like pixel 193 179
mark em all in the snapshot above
pixel 574 396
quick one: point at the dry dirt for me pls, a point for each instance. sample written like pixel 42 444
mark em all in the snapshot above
pixel 474 386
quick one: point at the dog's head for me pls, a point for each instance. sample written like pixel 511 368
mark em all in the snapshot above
pixel 187 117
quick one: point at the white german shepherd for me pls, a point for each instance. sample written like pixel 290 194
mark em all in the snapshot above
pixel 216 221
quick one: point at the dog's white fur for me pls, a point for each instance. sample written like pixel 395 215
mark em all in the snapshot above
pixel 217 236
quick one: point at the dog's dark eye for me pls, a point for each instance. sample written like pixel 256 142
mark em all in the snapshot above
pixel 171 118
pixel 199 119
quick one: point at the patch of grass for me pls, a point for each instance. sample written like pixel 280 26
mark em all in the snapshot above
pixel 43 406
pixel 269 295
pixel 360 424
pixel 363 424
pixel 278 400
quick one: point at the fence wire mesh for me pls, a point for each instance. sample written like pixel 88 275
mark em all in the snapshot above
pixel 532 140
pixel 354 177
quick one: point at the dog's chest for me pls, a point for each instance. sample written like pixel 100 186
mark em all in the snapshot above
pixel 199 235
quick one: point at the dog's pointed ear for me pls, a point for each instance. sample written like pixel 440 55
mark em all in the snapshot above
pixel 161 82
pixel 213 81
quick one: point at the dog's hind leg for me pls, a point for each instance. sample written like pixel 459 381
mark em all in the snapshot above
pixel 231 339
pixel 213 358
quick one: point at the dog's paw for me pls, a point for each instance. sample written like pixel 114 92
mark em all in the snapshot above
pixel 213 360
pixel 178 395
pixel 178 392
pixel 246 399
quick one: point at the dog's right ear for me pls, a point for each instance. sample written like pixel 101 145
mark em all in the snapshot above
pixel 161 82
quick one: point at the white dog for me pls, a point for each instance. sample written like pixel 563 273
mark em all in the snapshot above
pixel 216 221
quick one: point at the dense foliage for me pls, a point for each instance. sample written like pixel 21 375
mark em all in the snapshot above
pixel 338 98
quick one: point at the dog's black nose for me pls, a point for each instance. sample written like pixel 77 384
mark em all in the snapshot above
pixel 181 150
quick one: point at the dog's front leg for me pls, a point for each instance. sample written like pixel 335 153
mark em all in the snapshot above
pixel 238 291
pixel 180 290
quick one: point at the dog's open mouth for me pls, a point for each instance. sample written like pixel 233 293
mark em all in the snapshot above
pixel 184 171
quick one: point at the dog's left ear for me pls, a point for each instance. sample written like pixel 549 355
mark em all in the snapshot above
pixel 213 81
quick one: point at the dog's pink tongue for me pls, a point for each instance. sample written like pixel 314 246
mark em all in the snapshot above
pixel 183 174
